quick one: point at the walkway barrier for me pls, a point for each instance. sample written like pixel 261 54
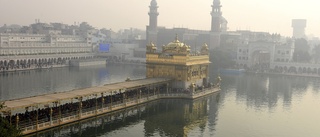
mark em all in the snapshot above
pixel 81 109
pixel 31 126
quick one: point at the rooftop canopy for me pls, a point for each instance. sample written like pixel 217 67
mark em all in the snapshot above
pixel 105 89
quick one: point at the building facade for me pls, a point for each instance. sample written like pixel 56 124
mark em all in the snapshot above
pixel 44 45
pixel 161 35
pixel 264 53
pixel 299 26
pixel 16 44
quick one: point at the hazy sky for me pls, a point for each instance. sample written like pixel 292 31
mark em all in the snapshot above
pixel 258 15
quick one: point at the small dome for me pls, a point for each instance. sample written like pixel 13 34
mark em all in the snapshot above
pixel 151 44
pixel 216 2
pixel 204 49
pixel 151 47
pixel 205 45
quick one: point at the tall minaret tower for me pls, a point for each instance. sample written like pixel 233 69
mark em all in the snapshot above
pixel 216 16
pixel 153 22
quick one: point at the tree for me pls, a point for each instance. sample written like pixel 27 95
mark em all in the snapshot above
pixel 301 45
pixel 222 58
pixel 316 55
pixel 301 56
pixel 6 129
pixel 301 51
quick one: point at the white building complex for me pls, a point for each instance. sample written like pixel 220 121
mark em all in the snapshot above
pixel 264 53
pixel 42 45
pixel 15 44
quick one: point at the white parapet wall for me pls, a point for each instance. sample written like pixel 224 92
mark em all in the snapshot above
pixel 79 63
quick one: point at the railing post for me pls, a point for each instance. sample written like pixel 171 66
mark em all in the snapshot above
pixel 124 99
pixel 37 120
pixel 137 97
pixel 102 101
pixel 111 101
pixel 140 96
pixel 10 121
pixel 59 118
pixel 17 121
pixel 158 93
pixel 167 88
pixel 148 93
pixel 80 107
pixel 51 116
pixel 96 111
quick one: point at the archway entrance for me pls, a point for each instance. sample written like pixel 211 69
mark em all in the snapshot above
pixel 261 60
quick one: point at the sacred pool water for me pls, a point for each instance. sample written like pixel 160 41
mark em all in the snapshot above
pixel 249 105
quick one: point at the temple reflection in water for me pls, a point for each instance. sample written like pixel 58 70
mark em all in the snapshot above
pixel 260 90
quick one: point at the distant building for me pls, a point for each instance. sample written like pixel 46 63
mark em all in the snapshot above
pixel 49 43
pixel 125 52
pixel 264 54
pixel 248 48
pixel 43 38
pixel 299 26
pixel 43 45
pixel 10 29
pixel 160 35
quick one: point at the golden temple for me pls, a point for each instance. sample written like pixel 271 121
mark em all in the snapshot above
pixel 176 61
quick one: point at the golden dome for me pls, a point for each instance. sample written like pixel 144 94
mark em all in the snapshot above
pixel 176 44
pixel 176 47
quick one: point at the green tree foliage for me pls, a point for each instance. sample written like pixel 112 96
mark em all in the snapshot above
pixel 316 55
pixel 301 51
pixel 7 130
pixel 301 56
pixel 222 58
pixel 276 37
pixel 301 45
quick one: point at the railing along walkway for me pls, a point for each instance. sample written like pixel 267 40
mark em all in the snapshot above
pixel 73 116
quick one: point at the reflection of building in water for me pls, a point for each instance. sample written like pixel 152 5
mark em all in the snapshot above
pixel 100 125
pixel 213 112
pixel 178 117
pixel 261 90
pixel 177 62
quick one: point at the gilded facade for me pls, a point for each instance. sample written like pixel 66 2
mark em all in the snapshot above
pixel 176 61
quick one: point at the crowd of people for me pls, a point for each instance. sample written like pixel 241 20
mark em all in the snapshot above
pixel 34 115
pixel 27 65
pixel 45 114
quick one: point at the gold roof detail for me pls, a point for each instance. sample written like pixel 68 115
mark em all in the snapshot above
pixel 204 49
pixel 176 47
pixel 151 48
